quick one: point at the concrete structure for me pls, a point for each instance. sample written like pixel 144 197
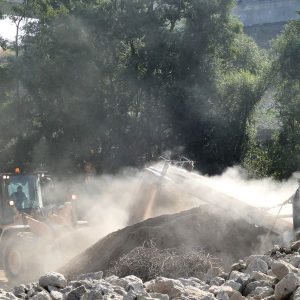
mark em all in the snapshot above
pixel 258 12
pixel 264 19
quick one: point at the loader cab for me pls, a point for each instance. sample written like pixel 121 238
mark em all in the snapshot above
pixel 23 191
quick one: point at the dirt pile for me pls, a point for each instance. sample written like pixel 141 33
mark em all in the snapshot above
pixel 218 234
pixel 275 275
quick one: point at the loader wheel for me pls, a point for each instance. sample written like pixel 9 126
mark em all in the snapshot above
pixel 20 258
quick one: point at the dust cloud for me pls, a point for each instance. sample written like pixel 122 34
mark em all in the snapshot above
pixel 110 203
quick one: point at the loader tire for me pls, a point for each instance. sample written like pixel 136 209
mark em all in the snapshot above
pixel 20 258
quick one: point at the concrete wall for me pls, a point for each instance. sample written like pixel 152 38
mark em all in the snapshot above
pixel 256 12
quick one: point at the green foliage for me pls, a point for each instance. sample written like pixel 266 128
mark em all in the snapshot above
pixel 3 42
pixel 280 157
pixel 117 82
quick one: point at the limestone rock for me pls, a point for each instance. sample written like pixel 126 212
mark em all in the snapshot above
pixel 262 292
pixel 56 295
pixel 257 265
pixel 250 287
pixel 295 261
pixel 281 268
pixel 242 278
pixel 234 285
pixel 286 286
pixel 217 281
pixel 77 293
pixel 53 279
pixel 256 276
pixel 43 295
pixel 173 288
pixel 159 296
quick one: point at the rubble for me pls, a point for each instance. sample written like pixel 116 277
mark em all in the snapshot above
pixel 174 275
pixel 263 277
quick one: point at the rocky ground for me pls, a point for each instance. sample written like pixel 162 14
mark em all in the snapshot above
pixel 275 275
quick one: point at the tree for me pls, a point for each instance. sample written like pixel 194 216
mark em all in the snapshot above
pixel 118 82
pixel 280 157
pixel 3 42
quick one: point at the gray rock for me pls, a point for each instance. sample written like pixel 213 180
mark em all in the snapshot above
pixel 43 295
pixel 237 296
pixel 119 290
pixel 281 268
pixel 222 296
pixel 234 285
pixel 242 278
pixel 262 292
pixel 131 295
pixel 267 259
pixel 96 294
pixel 257 265
pixel 4 295
pixel 286 286
pixel 211 273
pixel 20 290
pixel 221 289
pixel 86 283
pixel 104 288
pixel 270 298
pixel 159 296
pixel 194 293
pixel 66 290
pixel 51 288
pixel 195 282
pixel 270 273
pixel 250 287
pixel 31 293
pixel 173 288
pixel 296 295
pixel 77 293
pixel 256 276
pixel 295 246
pixel 137 287
pixel 295 261
pixel 124 282
pixel 240 266
pixel 56 295
pixel 111 278
pixel 144 297
pixel 217 281
pixel 54 279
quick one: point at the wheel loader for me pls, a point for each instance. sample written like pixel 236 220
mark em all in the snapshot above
pixel 33 222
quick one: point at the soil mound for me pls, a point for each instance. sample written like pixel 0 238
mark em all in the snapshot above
pixel 218 234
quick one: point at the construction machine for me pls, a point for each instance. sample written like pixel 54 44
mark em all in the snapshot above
pixel 172 186
pixel 33 221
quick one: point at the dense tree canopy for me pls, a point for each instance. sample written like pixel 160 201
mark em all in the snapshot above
pixel 118 82
pixel 280 156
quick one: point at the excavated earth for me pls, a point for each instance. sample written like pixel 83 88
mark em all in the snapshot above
pixel 273 276
pixel 218 234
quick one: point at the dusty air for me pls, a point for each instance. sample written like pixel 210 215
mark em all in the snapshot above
pixel 150 149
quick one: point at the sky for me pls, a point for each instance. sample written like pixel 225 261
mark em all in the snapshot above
pixel 7 29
